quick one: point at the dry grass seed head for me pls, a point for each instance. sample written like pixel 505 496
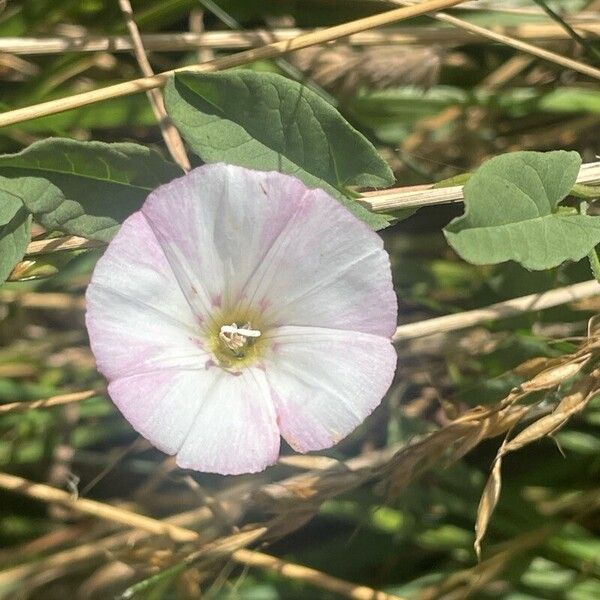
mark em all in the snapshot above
pixel 344 69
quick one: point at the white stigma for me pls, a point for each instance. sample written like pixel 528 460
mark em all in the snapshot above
pixel 236 338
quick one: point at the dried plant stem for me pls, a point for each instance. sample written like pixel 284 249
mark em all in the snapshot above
pixel 569 63
pixel 84 553
pixel 311 576
pixel 243 556
pixel 241 40
pixel 170 135
pixel 269 51
pixel 60 400
pixel 47 493
pixel 427 195
pixel 501 310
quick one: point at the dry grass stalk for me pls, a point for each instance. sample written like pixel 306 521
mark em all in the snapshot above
pixel 61 400
pixel 428 195
pixel 239 40
pixel 169 133
pixel 228 545
pixel 570 405
pixel 378 201
pixel 559 372
pixel 83 554
pixel 46 493
pixel 487 504
pixel 500 310
pixel 272 50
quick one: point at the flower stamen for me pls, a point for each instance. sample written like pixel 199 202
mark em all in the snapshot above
pixel 236 338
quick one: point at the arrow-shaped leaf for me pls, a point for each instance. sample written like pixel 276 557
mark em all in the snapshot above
pixel 512 212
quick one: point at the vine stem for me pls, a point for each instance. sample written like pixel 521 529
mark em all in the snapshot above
pixel 593 254
pixel 273 50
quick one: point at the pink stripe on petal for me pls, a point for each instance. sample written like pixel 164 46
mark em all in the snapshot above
pixel 326 269
pixel 326 382
pixel 216 224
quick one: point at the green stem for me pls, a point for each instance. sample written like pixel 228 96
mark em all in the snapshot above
pixel 578 38
pixel 593 254
pixel 587 192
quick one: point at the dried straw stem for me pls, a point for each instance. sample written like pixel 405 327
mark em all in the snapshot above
pixel 243 556
pixel 501 310
pixel 268 51
pixel 428 195
pixel 241 40
pixel 169 133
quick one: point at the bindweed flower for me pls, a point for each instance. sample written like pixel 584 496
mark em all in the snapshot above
pixel 239 306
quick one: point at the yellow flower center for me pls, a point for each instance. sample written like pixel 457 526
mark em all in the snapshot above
pixel 236 346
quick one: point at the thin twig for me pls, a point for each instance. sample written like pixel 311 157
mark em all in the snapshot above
pixel 265 52
pixel 243 556
pixel 171 136
pixel 558 59
pixel 500 310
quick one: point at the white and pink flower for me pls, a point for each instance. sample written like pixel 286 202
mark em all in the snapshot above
pixel 239 306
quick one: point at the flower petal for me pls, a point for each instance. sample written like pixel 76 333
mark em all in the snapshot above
pixel 138 319
pixel 225 221
pixel 235 430
pixel 326 269
pixel 162 405
pixel 326 382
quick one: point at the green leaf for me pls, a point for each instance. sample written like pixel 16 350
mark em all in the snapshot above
pixel 268 122
pixel 15 224
pixel 83 188
pixel 512 212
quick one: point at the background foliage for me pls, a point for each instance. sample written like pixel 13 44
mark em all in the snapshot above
pixel 407 527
